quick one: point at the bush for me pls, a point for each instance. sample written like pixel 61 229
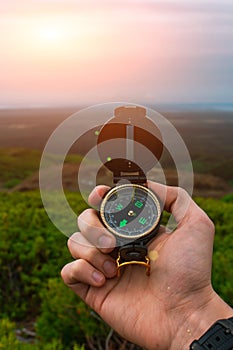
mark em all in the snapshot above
pixel 66 317
pixel 221 213
pixel 8 340
pixel 32 253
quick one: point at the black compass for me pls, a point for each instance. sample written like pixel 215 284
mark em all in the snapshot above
pixel 130 210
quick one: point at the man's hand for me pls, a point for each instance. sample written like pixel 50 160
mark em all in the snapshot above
pixel 171 307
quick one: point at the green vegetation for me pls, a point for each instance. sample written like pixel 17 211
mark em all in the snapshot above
pixel 16 164
pixel 32 253
pixel 221 213
pixel 8 340
pixel 19 163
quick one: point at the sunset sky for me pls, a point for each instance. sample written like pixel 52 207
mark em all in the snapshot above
pixel 72 52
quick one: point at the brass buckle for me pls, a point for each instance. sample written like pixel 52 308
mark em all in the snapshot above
pixel 133 262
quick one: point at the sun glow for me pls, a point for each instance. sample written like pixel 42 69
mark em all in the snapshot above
pixel 45 39
pixel 51 33
pixel 61 37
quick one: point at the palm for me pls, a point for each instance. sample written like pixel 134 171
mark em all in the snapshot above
pixel 183 263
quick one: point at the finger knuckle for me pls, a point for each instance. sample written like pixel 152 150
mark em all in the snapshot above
pixel 181 192
pixel 70 243
pixel 73 240
pixel 80 265
pixel 84 217
pixel 75 270
pixel 206 222
pixel 91 255
pixel 202 222
pixel 65 274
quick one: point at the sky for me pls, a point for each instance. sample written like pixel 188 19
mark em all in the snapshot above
pixel 75 52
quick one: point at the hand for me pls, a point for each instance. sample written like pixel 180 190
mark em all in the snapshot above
pixel 176 303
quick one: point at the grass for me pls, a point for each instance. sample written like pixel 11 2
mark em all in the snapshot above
pixel 16 164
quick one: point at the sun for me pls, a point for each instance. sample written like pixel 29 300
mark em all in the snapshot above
pixel 51 33
pixel 51 37
pixel 57 38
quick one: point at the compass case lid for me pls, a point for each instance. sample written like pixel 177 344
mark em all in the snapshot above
pixel 129 144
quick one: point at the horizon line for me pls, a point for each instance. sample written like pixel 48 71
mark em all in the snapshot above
pixel 192 105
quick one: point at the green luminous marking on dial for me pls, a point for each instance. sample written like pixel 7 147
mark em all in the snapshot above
pixel 142 220
pixel 123 223
pixel 119 206
pixel 138 204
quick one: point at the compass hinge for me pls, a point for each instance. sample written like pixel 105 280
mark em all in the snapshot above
pixel 137 177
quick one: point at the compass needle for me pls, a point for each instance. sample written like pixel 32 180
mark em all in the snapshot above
pixel 133 194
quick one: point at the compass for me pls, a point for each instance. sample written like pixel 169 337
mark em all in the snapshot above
pixel 132 213
pixel 130 210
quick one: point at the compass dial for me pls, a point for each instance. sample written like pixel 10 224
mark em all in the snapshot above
pixel 130 211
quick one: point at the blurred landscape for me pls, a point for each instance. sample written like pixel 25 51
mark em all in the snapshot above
pixel 57 57
pixel 208 135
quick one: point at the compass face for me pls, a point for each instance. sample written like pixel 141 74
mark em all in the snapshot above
pixel 130 211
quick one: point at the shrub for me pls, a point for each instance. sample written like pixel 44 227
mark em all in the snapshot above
pixel 65 317
pixel 32 253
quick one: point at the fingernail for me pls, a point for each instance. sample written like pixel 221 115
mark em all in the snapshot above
pixel 109 267
pixel 105 242
pixel 97 277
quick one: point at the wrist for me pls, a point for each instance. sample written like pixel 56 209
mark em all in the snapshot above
pixel 198 320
